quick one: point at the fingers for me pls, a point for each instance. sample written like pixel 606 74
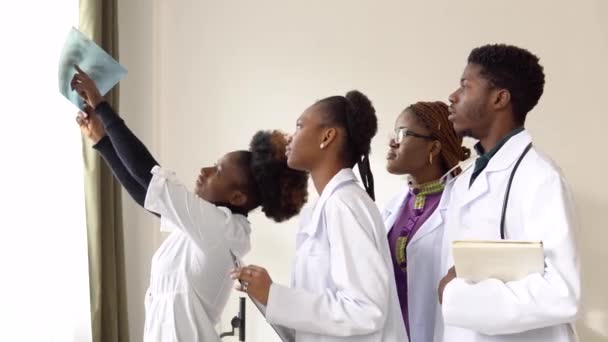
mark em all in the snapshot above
pixel 252 271
pixel 88 111
pixel 82 122
pixel 76 86
pixel 85 113
pixel 239 274
pixel 241 287
pixel 242 274
pixel 80 89
pixel 73 82
pixel 256 269
pixel 79 79
pixel 235 274
pixel 86 89
pixel 80 71
pixel 245 274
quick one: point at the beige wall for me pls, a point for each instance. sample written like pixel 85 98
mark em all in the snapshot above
pixel 136 24
pixel 205 75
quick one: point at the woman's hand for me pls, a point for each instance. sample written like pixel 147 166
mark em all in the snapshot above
pixel 86 88
pixel 90 125
pixel 255 281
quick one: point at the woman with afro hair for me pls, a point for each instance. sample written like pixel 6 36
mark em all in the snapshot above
pixel 190 282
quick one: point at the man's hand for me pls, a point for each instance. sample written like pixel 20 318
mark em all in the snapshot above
pixel 444 282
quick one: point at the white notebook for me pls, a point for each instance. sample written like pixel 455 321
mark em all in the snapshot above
pixel 505 260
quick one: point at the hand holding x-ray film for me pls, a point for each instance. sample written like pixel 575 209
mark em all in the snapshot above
pixel 92 59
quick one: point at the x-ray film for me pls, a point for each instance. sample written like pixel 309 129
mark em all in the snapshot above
pixel 92 59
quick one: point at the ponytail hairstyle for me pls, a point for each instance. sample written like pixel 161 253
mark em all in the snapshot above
pixel 356 114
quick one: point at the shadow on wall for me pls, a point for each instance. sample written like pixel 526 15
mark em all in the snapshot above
pixel 593 323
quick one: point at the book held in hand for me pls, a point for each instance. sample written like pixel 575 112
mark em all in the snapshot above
pixel 505 260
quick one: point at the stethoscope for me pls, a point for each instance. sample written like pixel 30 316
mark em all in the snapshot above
pixel 448 178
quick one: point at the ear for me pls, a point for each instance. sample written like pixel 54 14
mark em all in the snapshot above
pixel 435 148
pixel 238 198
pixel 501 99
pixel 329 135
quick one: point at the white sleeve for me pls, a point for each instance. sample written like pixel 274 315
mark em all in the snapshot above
pixel 359 303
pixel 286 334
pixel 492 307
pixel 202 221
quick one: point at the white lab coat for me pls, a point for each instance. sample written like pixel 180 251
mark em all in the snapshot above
pixel 343 287
pixel 538 307
pixel 423 264
pixel 190 281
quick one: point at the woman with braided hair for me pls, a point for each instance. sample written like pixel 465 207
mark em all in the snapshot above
pixel 343 288
pixel 425 147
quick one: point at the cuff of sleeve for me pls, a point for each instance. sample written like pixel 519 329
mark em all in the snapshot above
pixel 107 114
pixel 276 301
pixel 102 144
pixel 102 106
pixel 155 189
pixel 449 307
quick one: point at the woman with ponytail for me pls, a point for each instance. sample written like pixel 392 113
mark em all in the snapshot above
pixel 425 147
pixel 343 287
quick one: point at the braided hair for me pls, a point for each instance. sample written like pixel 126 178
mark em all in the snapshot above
pixel 434 116
pixel 356 114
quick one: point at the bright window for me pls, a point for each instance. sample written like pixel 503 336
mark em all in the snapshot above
pixel 44 287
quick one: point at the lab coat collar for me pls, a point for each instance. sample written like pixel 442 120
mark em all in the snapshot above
pixel 434 221
pixel 502 160
pixel 343 177
pixel 394 208
pixel 509 152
